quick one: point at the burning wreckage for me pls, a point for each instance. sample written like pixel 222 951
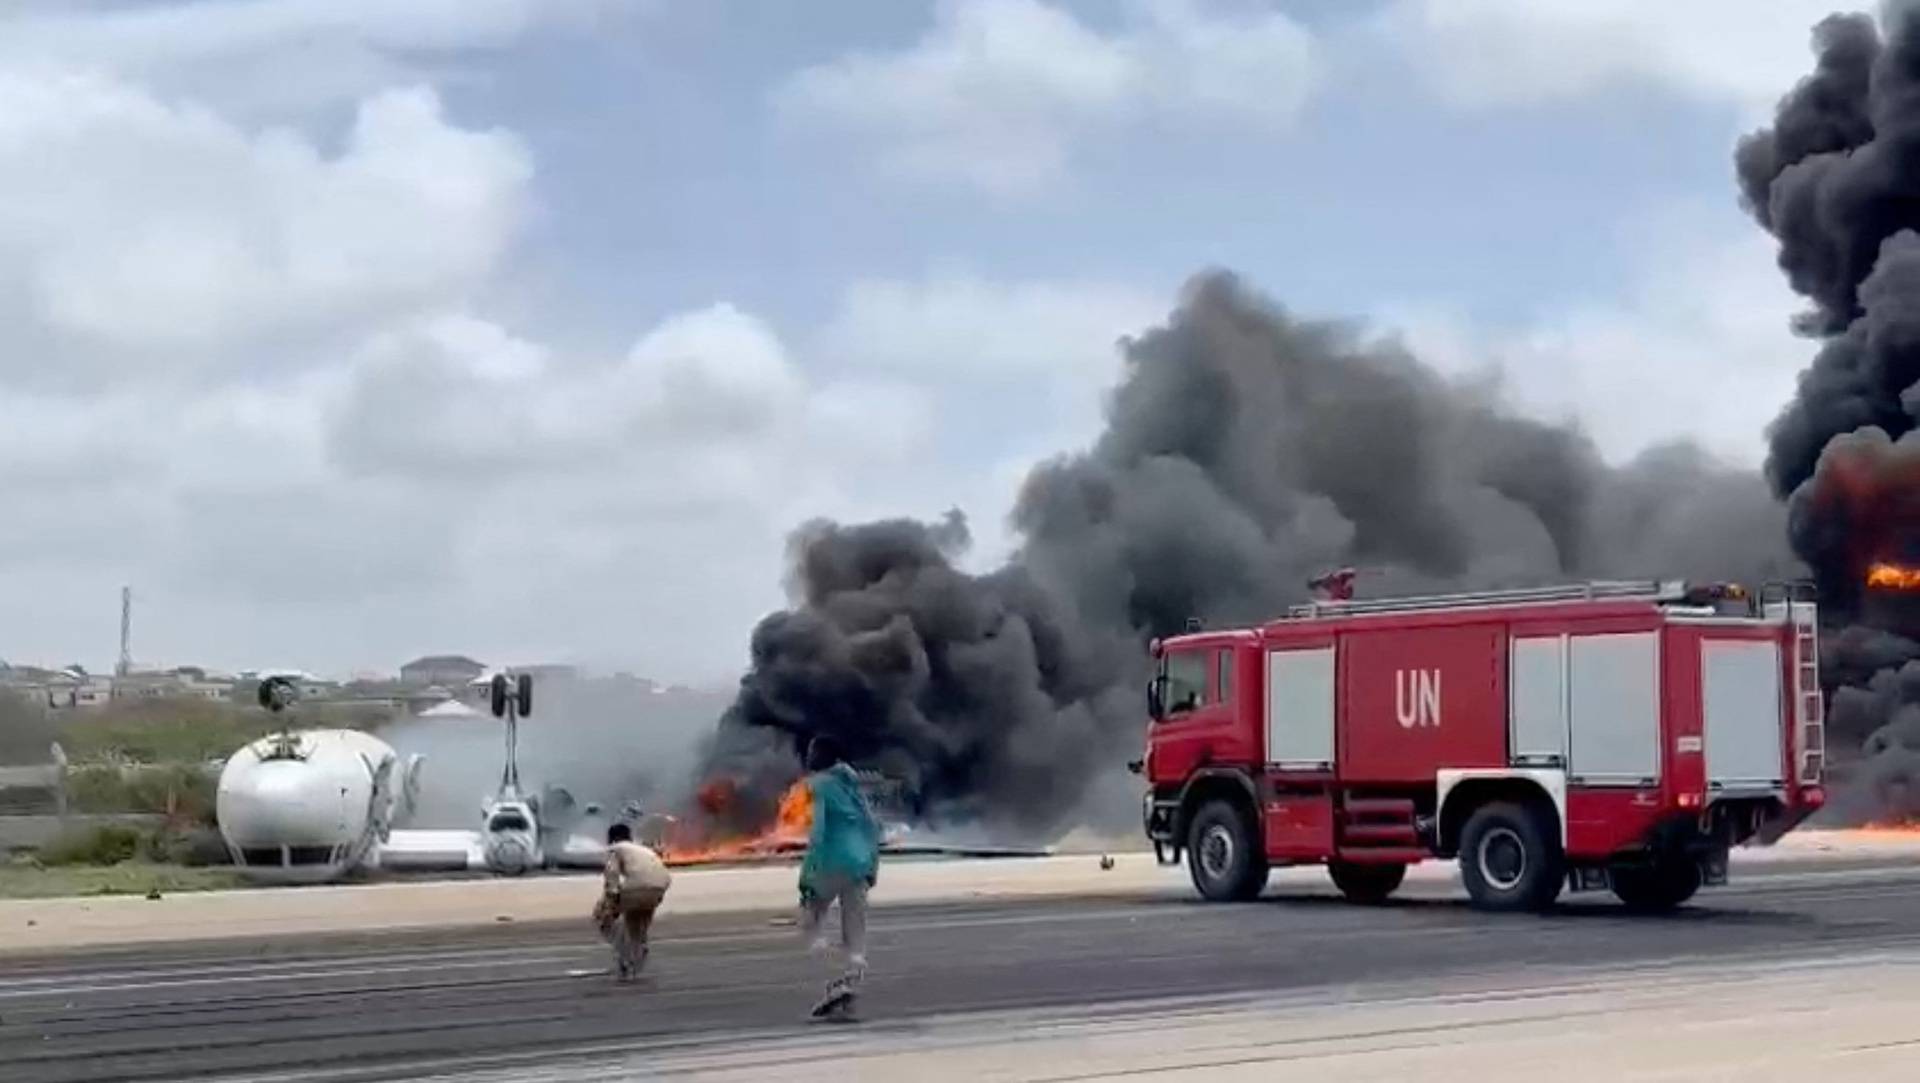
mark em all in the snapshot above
pixel 695 841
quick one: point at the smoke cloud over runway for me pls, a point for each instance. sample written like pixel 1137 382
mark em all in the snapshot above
pixel 1246 450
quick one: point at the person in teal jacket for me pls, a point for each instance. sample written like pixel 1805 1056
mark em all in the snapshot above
pixel 842 864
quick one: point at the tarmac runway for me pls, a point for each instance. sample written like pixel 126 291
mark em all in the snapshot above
pixel 1794 964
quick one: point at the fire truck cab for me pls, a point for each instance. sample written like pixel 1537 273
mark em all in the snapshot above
pixel 1620 735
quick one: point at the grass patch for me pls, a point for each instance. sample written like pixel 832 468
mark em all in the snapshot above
pixel 27 731
pixel 24 880
pixel 184 791
pixel 106 845
pixel 163 731
pixel 187 731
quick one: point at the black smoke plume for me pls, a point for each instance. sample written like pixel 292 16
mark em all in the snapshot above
pixel 1245 451
pixel 1836 179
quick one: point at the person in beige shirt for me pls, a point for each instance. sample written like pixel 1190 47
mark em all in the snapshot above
pixel 635 884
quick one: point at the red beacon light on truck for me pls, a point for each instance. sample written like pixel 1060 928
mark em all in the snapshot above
pixel 1620 734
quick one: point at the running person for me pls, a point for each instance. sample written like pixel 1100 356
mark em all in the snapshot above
pixel 842 863
pixel 635 884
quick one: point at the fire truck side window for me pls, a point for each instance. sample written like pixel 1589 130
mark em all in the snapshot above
pixel 1224 681
pixel 1186 681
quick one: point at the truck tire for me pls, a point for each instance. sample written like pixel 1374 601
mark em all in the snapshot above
pixel 1366 883
pixel 1656 888
pixel 1224 854
pixel 1510 859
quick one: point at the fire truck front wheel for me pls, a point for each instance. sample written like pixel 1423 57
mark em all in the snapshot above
pixel 1510 859
pixel 1224 854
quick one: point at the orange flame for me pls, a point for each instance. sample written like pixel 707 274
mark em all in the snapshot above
pixel 796 812
pixel 786 835
pixel 1890 827
pixel 1893 576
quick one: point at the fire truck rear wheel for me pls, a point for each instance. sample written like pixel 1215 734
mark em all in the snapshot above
pixel 1224 854
pixel 1662 886
pixel 1366 883
pixel 1510 858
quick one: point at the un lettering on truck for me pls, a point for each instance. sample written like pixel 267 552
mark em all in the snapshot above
pixel 1416 700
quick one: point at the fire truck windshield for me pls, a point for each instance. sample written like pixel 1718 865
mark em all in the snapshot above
pixel 1184 681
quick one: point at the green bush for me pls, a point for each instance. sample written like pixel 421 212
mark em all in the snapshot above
pixel 107 844
pixel 27 731
pixel 163 731
pixel 193 730
pixel 194 847
pixel 185 792
pixel 112 844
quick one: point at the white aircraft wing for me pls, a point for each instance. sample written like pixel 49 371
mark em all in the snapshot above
pixel 431 851
pixel 579 852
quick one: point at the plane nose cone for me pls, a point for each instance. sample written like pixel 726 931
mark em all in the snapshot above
pixel 509 854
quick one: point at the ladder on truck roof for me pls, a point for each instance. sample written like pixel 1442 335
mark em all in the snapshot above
pixel 1651 589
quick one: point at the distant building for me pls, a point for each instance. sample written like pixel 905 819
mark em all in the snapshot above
pixel 90 692
pixel 188 682
pixel 447 670
pixel 56 689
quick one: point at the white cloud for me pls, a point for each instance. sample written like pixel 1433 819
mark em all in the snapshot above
pixel 449 478
pixel 564 484
pixel 254 377
pixel 997 92
pixel 166 236
pixel 1483 53
pixel 246 367
pixel 278 55
pixel 1020 368
pixel 1044 351
pixel 972 328
pixel 1696 347
pixel 713 373
pixel 707 409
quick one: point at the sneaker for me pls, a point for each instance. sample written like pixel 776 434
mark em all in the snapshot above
pixel 839 998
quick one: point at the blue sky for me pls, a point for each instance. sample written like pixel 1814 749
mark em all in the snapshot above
pixel 668 178
pixel 348 330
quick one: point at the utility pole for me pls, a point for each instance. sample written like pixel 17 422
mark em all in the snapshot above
pixel 125 665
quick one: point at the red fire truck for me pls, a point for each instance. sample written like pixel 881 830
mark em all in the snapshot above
pixel 1619 735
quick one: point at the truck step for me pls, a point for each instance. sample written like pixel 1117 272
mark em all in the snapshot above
pixel 1383 855
pixel 1399 808
pixel 1373 834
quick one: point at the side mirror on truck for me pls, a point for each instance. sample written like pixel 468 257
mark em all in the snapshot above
pixel 1156 706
